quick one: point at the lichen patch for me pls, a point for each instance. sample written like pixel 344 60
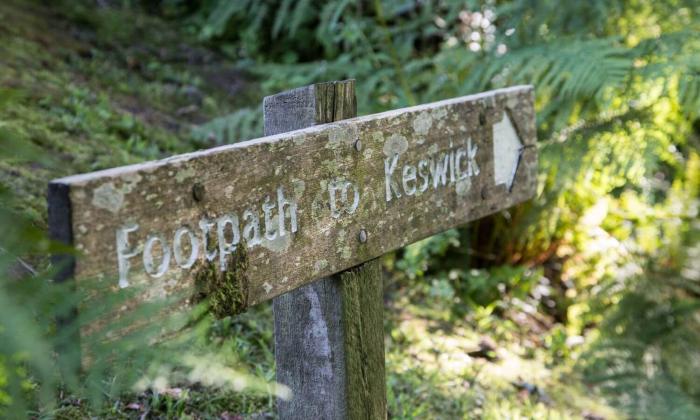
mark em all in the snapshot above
pixel 228 192
pixel 108 197
pixel 341 245
pixel 320 265
pixel 341 134
pixel 463 186
pixel 268 287
pixel 280 243
pixel 130 181
pixel 184 174
pixel 512 102
pixel 299 188
pixel 439 113
pixel 396 144
pixel 422 123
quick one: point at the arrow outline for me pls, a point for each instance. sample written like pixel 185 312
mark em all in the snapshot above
pixel 514 123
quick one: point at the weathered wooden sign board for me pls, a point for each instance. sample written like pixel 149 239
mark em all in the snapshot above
pixel 307 203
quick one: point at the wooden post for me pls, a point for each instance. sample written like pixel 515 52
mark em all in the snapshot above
pixel 329 340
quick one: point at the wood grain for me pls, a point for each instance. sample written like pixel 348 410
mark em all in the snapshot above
pixel 363 340
pixel 329 347
pixel 151 204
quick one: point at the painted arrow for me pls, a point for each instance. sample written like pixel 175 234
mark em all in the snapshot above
pixel 507 150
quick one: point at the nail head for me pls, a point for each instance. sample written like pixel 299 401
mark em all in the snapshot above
pixel 358 145
pixel 362 236
pixel 198 192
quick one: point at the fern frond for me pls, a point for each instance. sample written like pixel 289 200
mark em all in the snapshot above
pixel 244 124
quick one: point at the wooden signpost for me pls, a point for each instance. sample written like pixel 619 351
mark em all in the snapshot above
pixel 304 205
pixel 329 335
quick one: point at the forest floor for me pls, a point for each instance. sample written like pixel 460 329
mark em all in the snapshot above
pixel 85 91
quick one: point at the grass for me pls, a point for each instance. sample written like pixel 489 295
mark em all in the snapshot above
pixel 210 390
pixel 89 101
pixel 431 373
pixel 433 367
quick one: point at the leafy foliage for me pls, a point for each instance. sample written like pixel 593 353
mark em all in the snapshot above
pixel 608 240
pixel 56 118
pixel 617 88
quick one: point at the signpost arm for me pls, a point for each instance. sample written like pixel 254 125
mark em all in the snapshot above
pixel 329 341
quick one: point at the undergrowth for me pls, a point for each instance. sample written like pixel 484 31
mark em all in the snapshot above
pixel 581 303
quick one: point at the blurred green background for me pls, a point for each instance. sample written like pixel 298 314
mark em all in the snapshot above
pixel 582 303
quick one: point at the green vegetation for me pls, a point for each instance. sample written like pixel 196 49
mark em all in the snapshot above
pixel 583 302
pixel 226 292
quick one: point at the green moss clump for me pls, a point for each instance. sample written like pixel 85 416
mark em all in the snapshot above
pixel 225 291
pixel 70 413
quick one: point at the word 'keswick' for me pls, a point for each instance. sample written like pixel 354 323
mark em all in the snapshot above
pixel 454 165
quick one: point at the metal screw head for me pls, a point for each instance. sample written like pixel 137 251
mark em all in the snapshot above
pixel 358 145
pixel 362 236
pixel 198 192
